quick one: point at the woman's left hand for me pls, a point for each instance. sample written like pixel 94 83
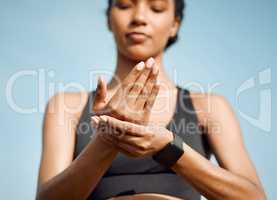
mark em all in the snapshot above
pixel 132 139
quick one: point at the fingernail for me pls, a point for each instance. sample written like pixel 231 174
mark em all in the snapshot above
pixel 97 119
pixel 140 66
pixel 99 80
pixel 150 62
pixel 103 118
pixel 93 122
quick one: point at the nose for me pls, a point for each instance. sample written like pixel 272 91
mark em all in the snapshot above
pixel 139 17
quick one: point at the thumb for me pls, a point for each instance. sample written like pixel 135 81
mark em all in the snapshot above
pixel 100 95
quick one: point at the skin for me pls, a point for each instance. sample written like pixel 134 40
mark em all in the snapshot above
pixel 61 177
pixel 135 97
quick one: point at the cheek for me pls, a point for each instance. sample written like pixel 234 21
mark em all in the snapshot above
pixel 118 25
pixel 162 31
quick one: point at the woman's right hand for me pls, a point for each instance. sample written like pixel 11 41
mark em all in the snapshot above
pixel 135 97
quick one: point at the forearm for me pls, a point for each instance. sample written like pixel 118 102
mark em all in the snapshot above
pixel 81 177
pixel 212 181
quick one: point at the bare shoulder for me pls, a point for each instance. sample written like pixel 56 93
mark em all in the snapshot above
pixel 205 101
pixel 61 118
pixel 70 103
pixel 211 107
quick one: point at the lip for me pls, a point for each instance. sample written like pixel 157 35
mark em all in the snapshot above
pixel 137 37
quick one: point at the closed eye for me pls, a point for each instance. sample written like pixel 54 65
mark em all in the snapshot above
pixel 123 4
pixel 157 10
pixel 158 5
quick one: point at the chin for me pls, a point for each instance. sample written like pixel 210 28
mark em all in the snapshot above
pixel 139 53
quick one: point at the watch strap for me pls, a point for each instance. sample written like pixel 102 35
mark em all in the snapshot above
pixel 171 153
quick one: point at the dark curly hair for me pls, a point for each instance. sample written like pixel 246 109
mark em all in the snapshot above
pixel 180 6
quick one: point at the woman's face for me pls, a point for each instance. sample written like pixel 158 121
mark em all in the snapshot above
pixel 142 28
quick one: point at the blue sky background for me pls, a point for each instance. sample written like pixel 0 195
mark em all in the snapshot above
pixel 224 42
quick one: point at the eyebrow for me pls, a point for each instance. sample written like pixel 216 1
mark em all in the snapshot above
pixel 159 0
pixel 166 1
pixel 151 0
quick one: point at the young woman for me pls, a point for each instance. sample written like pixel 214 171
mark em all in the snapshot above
pixel 95 162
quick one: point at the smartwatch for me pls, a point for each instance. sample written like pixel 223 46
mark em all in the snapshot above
pixel 171 153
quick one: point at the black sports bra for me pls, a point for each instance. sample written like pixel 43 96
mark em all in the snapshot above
pixel 128 175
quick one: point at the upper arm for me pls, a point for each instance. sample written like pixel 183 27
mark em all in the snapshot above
pixel 225 137
pixel 58 138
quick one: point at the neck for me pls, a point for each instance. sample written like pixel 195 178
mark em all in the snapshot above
pixel 124 65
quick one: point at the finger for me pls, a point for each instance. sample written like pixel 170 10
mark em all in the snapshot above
pixel 126 139
pixel 101 90
pixel 108 128
pixel 109 139
pixel 123 126
pixel 151 100
pixel 130 140
pixel 134 74
pixel 146 91
pixel 127 83
pixel 100 96
pixel 114 143
pixel 140 82
pixel 129 149
pixel 95 121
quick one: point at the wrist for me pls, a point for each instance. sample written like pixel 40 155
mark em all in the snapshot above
pixel 106 146
pixel 171 152
pixel 170 136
